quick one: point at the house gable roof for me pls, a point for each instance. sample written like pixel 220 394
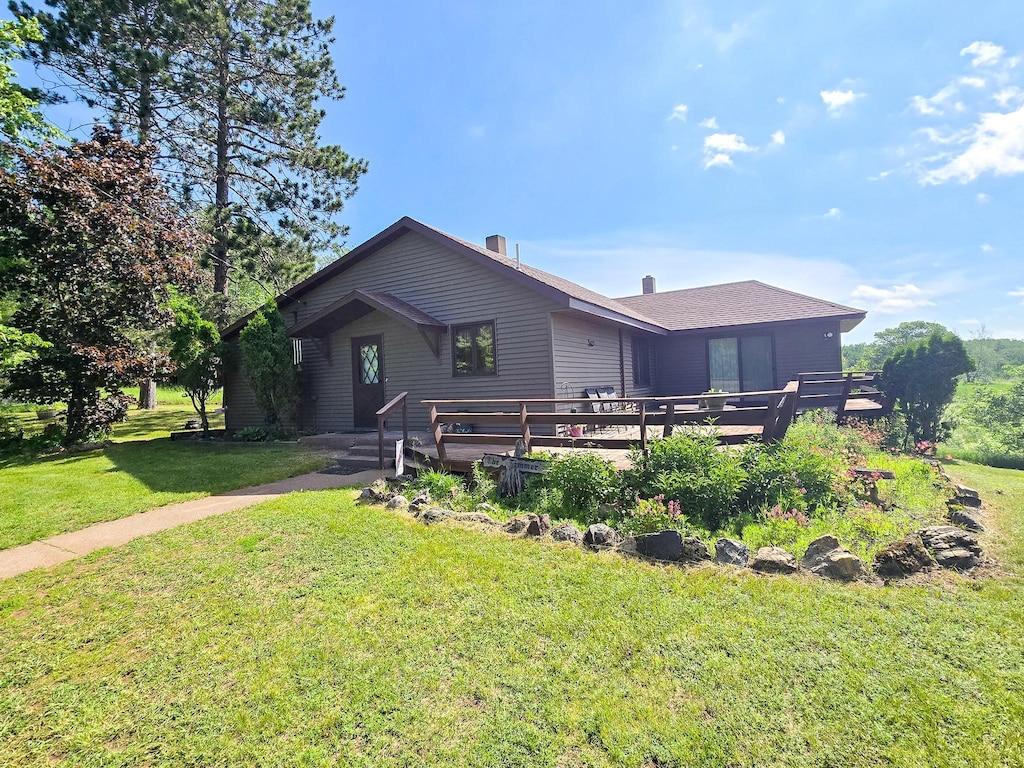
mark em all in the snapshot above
pixel 749 302
pixel 358 303
pixel 571 295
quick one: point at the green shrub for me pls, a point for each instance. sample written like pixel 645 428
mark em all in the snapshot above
pixel 442 486
pixel 585 482
pixel 252 435
pixel 651 516
pixel 689 468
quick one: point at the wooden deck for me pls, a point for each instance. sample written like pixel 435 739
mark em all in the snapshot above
pixel 615 425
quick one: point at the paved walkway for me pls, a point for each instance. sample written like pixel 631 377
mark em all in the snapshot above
pixel 67 546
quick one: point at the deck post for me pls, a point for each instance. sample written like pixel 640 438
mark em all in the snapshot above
pixel 771 420
pixel 525 427
pixel 670 416
pixel 435 428
pixel 841 408
pixel 643 427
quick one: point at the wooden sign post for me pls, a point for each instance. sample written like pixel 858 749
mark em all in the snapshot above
pixel 512 468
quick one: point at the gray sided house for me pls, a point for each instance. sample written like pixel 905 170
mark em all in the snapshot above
pixel 416 310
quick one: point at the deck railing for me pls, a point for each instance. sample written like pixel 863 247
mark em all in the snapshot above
pixel 400 401
pixel 771 416
pixel 845 392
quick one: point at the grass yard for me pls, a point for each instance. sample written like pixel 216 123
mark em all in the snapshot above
pixel 312 631
pixel 46 495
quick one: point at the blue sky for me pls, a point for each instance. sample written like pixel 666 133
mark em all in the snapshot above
pixel 870 153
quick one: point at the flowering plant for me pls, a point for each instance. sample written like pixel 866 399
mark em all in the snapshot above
pixel 653 515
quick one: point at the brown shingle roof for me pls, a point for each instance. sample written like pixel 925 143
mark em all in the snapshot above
pixel 730 304
pixel 560 284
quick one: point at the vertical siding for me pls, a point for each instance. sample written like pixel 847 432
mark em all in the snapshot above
pixel 446 285
pixel 682 365
pixel 799 348
pixel 805 348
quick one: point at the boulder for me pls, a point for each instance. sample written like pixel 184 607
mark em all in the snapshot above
pixel 902 558
pixel 965 519
pixel 952 547
pixel 966 497
pixel 774 560
pixel 818 548
pixel 695 550
pixel 664 545
pixel 516 525
pixel 475 517
pixel 398 501
pixel 567 532
pixel 367 494
pixel 435 514
pixel 731 552
pixel 487 509
pixel 538 525
pixel 600 535
pixel 826 558
pixel 420 500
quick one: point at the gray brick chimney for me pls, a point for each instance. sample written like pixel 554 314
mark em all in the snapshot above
pixel 649 284
pixel 496 243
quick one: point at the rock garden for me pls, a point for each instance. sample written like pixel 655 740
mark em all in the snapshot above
pixel 826 501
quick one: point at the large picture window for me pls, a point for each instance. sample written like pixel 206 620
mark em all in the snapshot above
pixel 473 349
pixel 641 362
pixel 741 364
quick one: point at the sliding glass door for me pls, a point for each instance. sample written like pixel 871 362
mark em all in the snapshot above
pixel 741 364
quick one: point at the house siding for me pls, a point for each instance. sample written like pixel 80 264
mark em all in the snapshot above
pixel 682 361
pixel 444 284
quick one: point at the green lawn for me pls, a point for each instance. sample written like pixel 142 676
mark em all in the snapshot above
pixel 312 631
pixel 47 495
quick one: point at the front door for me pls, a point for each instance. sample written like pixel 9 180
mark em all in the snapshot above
pixel 367 380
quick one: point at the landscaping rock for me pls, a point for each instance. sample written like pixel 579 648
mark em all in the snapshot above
pixel 818 548
pixel 695 550
pixel 516 525
pixel 487 509
pixel 826 558
pixel 538 525
pixel 381 491
pixel 420 500
pixel 966 497
pixel 731 552
pixel 435 515
pixel 965 519
pixel 567 532
pixel 475 517
pixel 902 558
pixel 664 545
pixel 398 501
pixel 952 547
pixel 600 535
pixel 774 560
pixel 367 494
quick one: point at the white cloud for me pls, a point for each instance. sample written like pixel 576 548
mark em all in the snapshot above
pixel 679 112
pixel 983 198
pixel 832 213
pixel 973 82
pixel 836 101
pixel 710 123
pixel 983 54
pixel 892 301
pixel 778 138
pixel 994 145
pixel 720 147
pixel 1016 294
pixel 935 105
pixel 986 248
pixel 1004 96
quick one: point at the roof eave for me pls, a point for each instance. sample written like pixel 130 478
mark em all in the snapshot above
pixel 607 314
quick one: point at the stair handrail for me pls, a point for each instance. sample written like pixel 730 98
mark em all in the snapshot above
pixel 399 401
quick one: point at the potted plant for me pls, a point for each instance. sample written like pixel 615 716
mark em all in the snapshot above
pixel 46 413
pixel 713 399
pixel 575 430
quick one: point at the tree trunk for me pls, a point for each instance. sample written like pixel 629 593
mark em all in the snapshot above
pixel 147 395
pixel 220 219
